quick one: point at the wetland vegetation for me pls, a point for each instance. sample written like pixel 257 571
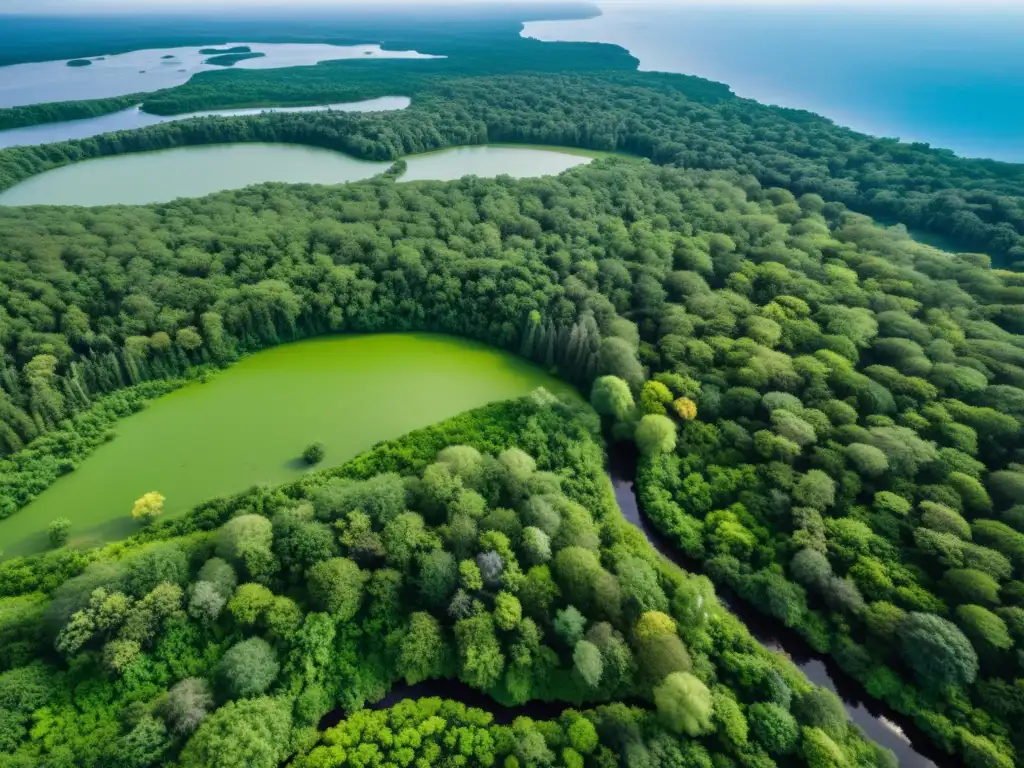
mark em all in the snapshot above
pixel 829 416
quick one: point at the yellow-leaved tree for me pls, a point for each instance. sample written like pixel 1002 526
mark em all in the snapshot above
pixel 685 408
pixel 148 507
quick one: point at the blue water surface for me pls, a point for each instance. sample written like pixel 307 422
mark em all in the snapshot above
pixel 953 77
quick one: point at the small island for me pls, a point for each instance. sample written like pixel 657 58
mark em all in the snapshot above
pixel 236 49
pixel 229 60
pixel 79 63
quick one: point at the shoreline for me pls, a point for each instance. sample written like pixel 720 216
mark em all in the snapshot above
pixel 615 30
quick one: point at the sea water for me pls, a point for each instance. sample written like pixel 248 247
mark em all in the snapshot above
pixel 948 74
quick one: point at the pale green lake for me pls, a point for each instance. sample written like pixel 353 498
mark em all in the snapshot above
pixel 162 176
pixel 249 424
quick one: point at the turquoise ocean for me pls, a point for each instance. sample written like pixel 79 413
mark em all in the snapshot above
pixel 918 71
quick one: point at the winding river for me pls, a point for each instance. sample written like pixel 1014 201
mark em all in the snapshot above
pixel 891 730
pixel 880 724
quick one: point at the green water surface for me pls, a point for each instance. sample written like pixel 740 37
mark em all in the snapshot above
pixel 249 424
pixel 161 176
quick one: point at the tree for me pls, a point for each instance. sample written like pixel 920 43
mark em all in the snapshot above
pixel 640 587
pixel 685 408
pixel 243 534
pixel 684 704
pixel 816 490
pixel 164 563
pixel 617 358
pixel 144 745
pixel 205 603
pixel 730 723
pixel 654 397
pixel 58 531
pixel 867 459
pixel 587 662
pixel 314 453
pixel 249 603
pixel 967 585
pixel 582 736
pixel 986 631
pixel 439 576
pixel 536 546
pixel 659 650
pixel 610 396
pixel 508 612
pixel 423 649
pixel 242 734
pixel 939 517
pixel 773 727
pixel 247 669
pixel 491 566
pixel 1001 538
pixel 810 568
pixel 655 435
pixel 570 625
pixel 186 705
pixel 481 661
pixel 938 653
pixel 821 708
pixel 220 574
pixel 148 507
pixel 465 462
pixel 336 586
pixel 819 750
pixel 975 497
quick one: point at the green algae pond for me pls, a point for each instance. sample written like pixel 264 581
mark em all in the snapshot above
pixel 250 423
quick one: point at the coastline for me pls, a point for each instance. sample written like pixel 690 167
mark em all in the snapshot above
pixel 841 100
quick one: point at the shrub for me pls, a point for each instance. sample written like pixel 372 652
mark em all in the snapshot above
pixel 314 453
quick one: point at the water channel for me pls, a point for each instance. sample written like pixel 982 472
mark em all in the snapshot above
pixel 888 728
pixel 893 731
pixel 136 117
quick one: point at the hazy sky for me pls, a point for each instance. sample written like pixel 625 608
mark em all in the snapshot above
pixel 85 6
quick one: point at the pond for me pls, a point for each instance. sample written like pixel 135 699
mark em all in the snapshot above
pixel 494 160
pixel 162 176
pixel 250 423
pixel 135 117
pixel 157 68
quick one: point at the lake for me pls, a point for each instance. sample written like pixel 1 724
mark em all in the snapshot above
pixel 949 74
pixel 162 176
pixel 135 117
pixel 158 68
pixel 249 424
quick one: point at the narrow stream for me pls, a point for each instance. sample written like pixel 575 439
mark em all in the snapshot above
pixel 879 723
pixel 882 725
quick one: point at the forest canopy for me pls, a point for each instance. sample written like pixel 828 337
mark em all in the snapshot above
pixel 828 414
pixel 232 634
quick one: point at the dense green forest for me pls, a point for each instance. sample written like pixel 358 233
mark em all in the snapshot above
pixel 829 416
pixel 496 86
pixel 848 401
pixel 221 639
